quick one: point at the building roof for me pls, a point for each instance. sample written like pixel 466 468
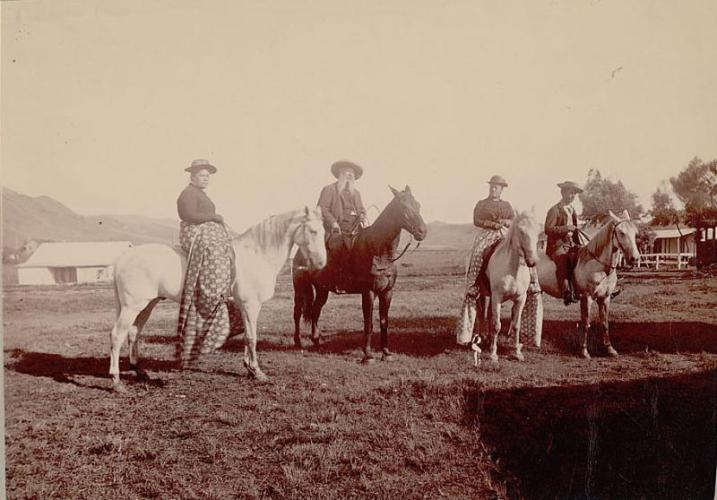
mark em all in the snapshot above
pixel 77 254
pixel 671 232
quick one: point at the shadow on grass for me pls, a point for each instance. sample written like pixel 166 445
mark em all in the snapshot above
pixel 650 438
pixel 664 337
pixel 62 369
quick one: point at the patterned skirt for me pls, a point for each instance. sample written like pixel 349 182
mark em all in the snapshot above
pixel 204 314
pixel 467 316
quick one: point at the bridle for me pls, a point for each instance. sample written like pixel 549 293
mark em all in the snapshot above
pixel 612 264
pixel 302 226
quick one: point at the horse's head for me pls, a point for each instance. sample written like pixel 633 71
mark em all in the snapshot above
pixel 525 231
pixel 309 237
pixel 409 213
pixel 625 236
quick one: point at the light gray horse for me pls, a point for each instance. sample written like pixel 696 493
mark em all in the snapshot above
pixel 145 274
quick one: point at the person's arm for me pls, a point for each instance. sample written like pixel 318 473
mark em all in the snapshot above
pixel 360 208
pixel 324 204
pixel 551 225
pixel 189 210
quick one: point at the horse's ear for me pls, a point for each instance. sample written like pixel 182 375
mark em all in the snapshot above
pixel 318 212
pixel 625 214
pixel 394 191
pixel 306 211
pixel 408 189
pixel 612 215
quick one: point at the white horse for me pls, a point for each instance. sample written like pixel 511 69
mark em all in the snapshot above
pixel 509 277
pixel 595 273
pixel 146 274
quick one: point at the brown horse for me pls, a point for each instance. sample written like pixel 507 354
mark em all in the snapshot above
pixel 370 270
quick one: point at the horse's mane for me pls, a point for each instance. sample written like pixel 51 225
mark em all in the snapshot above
pixel 511 237
pixel 270 232
pixel 600 239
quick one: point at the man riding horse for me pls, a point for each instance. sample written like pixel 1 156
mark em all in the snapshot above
pixel 561 228
pixel 343 214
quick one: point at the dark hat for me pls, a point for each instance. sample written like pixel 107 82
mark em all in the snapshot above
pixel 498 179
pixel 340 165
pixel 570 186
pixel 198 165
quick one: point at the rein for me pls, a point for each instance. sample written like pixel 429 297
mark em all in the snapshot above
pixel 406 248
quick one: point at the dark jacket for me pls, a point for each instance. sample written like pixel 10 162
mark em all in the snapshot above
pixel 560 236
pixel 195 207
pixel 488 213
pixel 332 208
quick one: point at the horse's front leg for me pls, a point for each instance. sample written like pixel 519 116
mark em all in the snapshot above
pixel 603 309
pixel 250 314
pixel 384 304
pixel 515 319
pixel 322 295
pixel 134 335
pixel 495 314
pixel 585 303
pixel 367 299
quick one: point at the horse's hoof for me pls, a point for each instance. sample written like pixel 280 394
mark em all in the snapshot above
pixel 316 341
pixel 585 354
pixel 368 360
pixel 297 344
pixel 119 387
pixel 260 376
pixel 519 356
pixel 612 352
pixel 494 357
pixel 388 357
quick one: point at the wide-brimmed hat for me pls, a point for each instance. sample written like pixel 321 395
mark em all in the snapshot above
pixel 198 165
pixel 340 165
pixel 570 186
pixel 498 179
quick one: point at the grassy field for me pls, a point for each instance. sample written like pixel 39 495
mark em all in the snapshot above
pixel 428 425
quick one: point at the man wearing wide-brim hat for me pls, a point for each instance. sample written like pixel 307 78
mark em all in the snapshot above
pixel 561 228
pixel 342 211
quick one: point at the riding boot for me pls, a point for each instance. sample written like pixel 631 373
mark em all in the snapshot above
pixel 567 293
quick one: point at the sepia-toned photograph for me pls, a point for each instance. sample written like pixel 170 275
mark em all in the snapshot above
pixel 337 249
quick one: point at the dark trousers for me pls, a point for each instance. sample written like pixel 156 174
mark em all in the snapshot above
pixel 564 264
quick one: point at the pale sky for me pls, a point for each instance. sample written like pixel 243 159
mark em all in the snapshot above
pixel 105 102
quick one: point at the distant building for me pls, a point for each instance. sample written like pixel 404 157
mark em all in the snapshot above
pixel 671 240
pixel 73 262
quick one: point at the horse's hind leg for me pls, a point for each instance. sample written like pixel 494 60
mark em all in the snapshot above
pixel 603 308
pixel 384 304
pixel 134 333
pixel 585 302
pixel 119 333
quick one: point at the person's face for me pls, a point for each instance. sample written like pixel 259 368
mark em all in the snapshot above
pixel 200 178
pixel 346 175
pixel 568 196
pixel 495 190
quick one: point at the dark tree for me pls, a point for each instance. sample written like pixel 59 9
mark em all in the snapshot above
pixel 602 195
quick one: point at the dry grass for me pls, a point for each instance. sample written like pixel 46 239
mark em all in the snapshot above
pixel 325 426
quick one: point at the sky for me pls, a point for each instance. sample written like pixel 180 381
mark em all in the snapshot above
pixel 104 103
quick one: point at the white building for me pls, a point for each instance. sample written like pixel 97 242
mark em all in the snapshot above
pixel 75 262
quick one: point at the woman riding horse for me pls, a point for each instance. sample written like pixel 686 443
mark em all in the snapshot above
pixel 491 215
pixel 204 316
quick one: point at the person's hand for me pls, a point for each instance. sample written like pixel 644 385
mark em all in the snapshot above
pixel 335 228
pixel 505 222
pixel 364 221
pixel 571 228
pixel 494 225
pixel 218 218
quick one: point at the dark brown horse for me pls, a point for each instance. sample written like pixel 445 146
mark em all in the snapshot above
pixel 369 269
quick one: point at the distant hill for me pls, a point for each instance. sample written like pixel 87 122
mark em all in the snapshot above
pixel 43 218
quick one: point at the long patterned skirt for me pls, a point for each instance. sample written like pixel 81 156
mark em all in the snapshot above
pixel 467 316
pixel 204 321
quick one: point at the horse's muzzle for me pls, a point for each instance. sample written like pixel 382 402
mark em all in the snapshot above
pixel 530 262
